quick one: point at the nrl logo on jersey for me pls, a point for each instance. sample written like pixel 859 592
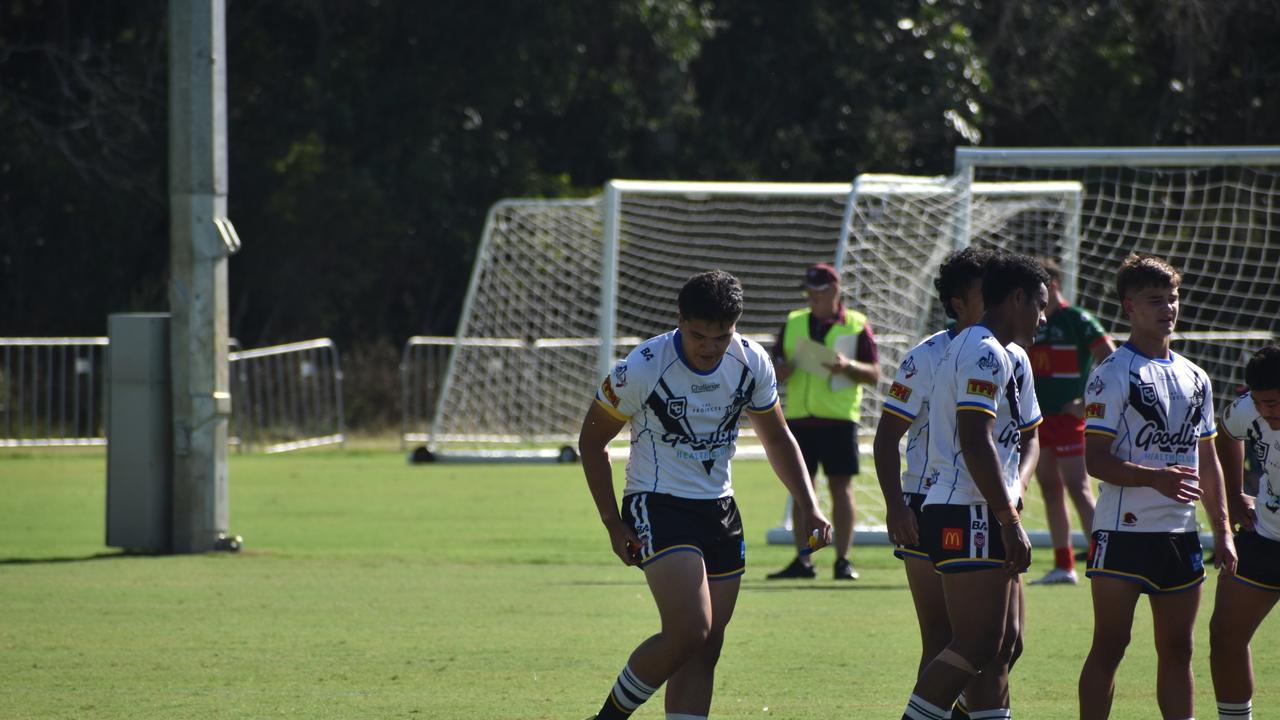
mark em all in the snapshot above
pixel 620 375
pixel 909 368
pixel 988 362
pixel 1096 385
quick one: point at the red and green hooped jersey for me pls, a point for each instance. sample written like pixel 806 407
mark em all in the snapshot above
pixel 1061 356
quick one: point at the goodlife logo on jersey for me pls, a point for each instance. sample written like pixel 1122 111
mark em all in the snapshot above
pixel 1156 432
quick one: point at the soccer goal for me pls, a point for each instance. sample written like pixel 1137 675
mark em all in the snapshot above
pixel 1212 212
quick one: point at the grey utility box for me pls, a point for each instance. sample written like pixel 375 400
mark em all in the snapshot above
pixel 139 432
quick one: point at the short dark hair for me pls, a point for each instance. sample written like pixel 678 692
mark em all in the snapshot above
pixel 712 296
pixel 1139 272
pixel 1263 370
pixel 1006 272
pixel 957 273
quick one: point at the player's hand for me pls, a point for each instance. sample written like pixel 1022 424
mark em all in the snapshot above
pixel 902 525
pixel 818 528
pixel 1177 482
pixel 1224 553
pixel 1242 512
pixel 1017 547
pixel 624 541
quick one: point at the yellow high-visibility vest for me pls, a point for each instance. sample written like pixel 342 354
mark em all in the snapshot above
pixel 810 395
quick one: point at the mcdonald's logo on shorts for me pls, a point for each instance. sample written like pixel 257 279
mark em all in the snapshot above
pixel 952 539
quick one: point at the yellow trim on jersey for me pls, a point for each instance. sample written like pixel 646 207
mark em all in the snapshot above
pixel 1212 436
pixel 976 408
pixel 1099 431
pixel 1033 425
pixel 895 413
pixel 612 410
pixel 766 410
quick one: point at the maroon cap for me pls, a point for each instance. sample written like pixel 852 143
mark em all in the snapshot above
pixel 821 276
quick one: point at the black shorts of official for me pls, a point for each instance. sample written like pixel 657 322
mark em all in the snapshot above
pixel 1259 561
pixel 961 538
pixel 913 501
pixel 667 524
pixel 1158 562
pixel 834 445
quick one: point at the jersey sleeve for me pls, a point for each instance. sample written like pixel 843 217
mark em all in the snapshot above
pixel 765 394
pixel 1236 418
pixel 621 393
pixel 1104 399
pixel 910 386
pixel 1028 403
pixel 1208 422
pixel 979 378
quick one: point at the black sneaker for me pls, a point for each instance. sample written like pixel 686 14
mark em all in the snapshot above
pixel 844 570
pixel 798 569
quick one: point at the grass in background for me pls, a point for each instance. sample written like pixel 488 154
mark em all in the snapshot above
pixel 371 588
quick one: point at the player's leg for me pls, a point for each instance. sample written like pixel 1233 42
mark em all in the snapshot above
pixel 1238 610
pixel 1114 601
pixel 977 608
pixel 1050 479
pixel 678 583
pixel 931 608
pixel 1173 616
pixel 689 690
pixel 1075 479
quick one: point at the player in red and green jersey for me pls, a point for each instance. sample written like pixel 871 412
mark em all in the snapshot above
pixel 1066 348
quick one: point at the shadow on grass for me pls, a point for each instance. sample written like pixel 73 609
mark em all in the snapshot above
pixel 82 558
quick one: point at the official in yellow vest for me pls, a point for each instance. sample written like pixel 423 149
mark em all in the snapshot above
pixel 822 407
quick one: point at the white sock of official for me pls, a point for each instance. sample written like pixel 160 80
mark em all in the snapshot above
pixel 1235 711
pixel 920 709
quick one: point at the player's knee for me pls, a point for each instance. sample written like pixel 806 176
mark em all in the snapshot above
pixel 689 632
pixel 1176 649
pixel 935 638
pixel 1225 634
pixel 1014 651
pixel 961 661
pixel 1110 648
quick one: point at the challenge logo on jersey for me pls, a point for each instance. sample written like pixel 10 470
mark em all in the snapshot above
pixel 1095 411
pixel 984 388
pixel 607 388
pixel 899 392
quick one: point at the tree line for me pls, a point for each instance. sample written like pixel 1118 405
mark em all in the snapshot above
pixel 368 138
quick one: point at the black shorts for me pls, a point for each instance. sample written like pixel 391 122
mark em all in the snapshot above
pixel 913 501
pixel 835 446
pixel 1259 564
pixel 667 524
pixel 961 538
pixel 1158 562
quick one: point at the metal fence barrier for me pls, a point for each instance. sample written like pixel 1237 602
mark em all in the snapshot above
pixel 51 391
pixel 287 397
pixel 422 367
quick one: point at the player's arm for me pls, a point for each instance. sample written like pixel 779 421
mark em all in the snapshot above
pixel 901 521
pixel 1215 506
pixel 1102 348
pixel 1239 505
pixel 1028 456
pixel 977 445
pixel 598 429
pixel 785 458
pixel 1177 482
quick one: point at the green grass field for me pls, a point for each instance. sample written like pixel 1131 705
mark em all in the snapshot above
pixel 370 588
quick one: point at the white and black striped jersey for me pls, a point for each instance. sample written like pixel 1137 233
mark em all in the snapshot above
pixel 1241 420
pixel 977 374
pixel 908 399
pixel 684 423
pixel 1157 411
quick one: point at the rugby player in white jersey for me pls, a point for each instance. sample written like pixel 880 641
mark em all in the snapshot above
pixel 1241 606
pixel 1149 438
pixel 981 407
pixel 683 393
pixel 906 412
